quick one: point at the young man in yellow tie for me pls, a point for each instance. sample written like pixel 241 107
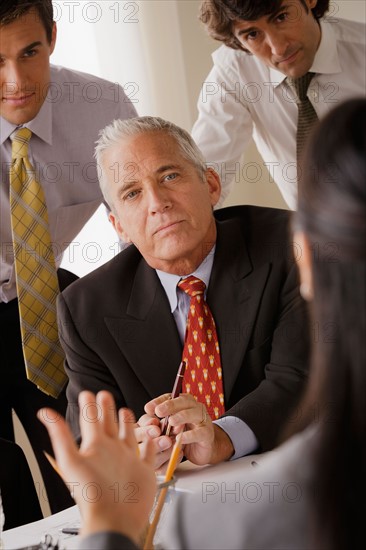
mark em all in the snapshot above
pixel 47 133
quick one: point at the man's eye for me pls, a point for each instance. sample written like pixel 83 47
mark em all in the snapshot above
pixel 282 16
pixel 171 177
pixel 251 35
pixel 30 53
pixel 131 195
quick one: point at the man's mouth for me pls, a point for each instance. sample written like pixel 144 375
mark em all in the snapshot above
pixel 19 99
pixel 288 59
pixel 166 227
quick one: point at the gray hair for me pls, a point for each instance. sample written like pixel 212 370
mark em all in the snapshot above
pixel 120 129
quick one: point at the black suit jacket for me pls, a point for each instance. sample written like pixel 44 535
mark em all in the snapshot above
pixel 120 335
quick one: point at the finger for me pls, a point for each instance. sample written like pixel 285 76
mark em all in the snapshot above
pixel 147 432
pixel 147 452
pixel 161 448
pixel 193 413
pixel 177 429
pixel 162 458
pixel 204 434
pixel 129 416
pixel 163 468
pixel 147 420
pixel 108 418
pixel 62 440
pixel 151 405
pixel 127 427
pixel 90 413
pixel 171 406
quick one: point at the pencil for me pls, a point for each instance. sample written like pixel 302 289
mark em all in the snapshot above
pixel 177 389
pixel 162 496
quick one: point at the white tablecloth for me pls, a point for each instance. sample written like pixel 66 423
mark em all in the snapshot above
pixel 190 478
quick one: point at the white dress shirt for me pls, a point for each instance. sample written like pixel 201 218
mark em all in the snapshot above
pixel 243 98
pixel 242 437
pixel 61 149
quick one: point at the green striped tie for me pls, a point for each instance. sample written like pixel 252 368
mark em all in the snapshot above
pixel 35 269
pixel 307 115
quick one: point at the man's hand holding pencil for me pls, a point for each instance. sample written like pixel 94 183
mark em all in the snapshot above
pixel 202 441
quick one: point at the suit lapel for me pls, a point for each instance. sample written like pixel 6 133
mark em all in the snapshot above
pixel 147 333
pixel 234 295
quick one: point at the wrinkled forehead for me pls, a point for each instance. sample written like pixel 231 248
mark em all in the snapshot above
pixel 143 155
pixel 141 146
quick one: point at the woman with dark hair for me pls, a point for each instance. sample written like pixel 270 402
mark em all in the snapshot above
pixel 310 490
pixel 331 228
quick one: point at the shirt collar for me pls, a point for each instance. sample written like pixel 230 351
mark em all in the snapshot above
pixel 170 281
pixel 276 77
pixel 41 125
pixel 326 60
pixel 6 129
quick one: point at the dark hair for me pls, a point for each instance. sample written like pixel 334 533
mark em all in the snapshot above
pixel 219 15
pixel 11 10
pixel 332 214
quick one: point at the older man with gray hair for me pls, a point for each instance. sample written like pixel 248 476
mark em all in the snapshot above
pixel 241 331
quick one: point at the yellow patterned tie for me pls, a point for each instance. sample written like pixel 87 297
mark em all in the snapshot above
pixel 36 277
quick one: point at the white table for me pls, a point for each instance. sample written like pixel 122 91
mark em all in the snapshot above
pixel 190 478
pixel 32 532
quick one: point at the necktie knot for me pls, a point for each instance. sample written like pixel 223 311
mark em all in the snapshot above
pixel 299 86
pixel 20 141
pixel 192 286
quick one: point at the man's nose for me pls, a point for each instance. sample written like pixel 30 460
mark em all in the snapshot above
pixel 278 43
pixel 159 200
pixel 13 79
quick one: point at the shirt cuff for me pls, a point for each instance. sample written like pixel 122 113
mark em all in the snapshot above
pixel 242 437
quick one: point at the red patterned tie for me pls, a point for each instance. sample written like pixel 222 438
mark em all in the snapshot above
pixel 201 352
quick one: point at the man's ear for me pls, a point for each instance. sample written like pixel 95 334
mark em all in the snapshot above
pixel 302 252
pixel 53 38
pixel 214 185
pixel 118 227
pixel 311 4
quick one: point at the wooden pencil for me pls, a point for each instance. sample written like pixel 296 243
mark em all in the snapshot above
pixel 172 464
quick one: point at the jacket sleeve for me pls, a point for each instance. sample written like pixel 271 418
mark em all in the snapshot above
pixel 283 361
pixel 84 368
